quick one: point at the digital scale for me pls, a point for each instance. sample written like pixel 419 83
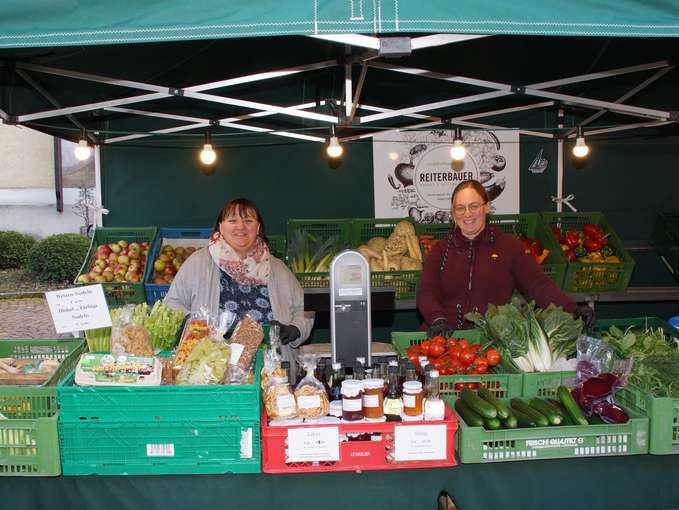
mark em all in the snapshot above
pixel 350 326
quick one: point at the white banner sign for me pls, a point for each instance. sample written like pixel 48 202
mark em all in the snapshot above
pixel 415 176
pixel 313 444
pixel 78 309
pixel 420 442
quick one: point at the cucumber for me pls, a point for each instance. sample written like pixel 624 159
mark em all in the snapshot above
pixel 539 418
pixel 523 420
pixel 477 404
pixel 510 422
pixel 551 413
pixel 492 423
pixel 470 417
pixel 572 407
pixel 503 411
pixel 566 417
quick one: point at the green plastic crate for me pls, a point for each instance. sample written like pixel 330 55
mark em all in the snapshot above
pixel 597 276
pixel 28 437
pixel 636 323
pixel 545 384
pixel 277 245
pixel 477 445
pixel 525 224
pixel 119 293
pixel 156 404
pixel 160 448
pixel 450 385
pixel 405 283
pixel 663 415
pixel 665 239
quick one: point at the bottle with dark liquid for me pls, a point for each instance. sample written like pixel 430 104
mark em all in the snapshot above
pixel 393 403
pixel 336 383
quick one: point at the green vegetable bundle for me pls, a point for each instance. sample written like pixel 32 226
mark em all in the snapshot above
pixel 309 254
pixel 530 339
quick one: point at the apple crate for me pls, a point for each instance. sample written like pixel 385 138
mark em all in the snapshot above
pixel 184 237
pixel 360 446
pixel 451 385
pixel 478 445
pixel 525 225
pixel 29 444
pixel 595 276
pixel 119 293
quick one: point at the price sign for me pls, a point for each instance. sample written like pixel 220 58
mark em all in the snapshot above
pixel 420 442
pixel 313 444
pixel 78 309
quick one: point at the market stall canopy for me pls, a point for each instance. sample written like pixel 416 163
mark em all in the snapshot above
pixel 253 72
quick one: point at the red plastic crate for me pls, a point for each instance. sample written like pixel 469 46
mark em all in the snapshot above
pixel 374 452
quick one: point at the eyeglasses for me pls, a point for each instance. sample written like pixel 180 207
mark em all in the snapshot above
pixel 473 208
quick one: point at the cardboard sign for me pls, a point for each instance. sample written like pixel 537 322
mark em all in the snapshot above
pixel 78 309
pixel 420 442
pixel 313 444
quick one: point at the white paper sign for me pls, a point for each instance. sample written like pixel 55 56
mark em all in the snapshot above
pixel 420 442
pixel 313 444
pixel 78 309
pixel 160 450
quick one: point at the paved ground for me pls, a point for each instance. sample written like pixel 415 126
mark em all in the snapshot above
pixel 26 318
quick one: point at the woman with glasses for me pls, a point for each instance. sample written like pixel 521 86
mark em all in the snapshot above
pixel 477 264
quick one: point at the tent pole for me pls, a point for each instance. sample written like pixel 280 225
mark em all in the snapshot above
pixel 97 186
pixel 559 165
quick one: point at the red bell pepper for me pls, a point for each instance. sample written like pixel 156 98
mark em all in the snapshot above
pixel 592 245
pixel 592 231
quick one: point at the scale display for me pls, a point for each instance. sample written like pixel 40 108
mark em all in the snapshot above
pixel 350 326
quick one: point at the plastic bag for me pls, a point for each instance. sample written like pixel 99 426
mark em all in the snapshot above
pixel 207 363
pixel 244 343
pixel 600 374
pixel 196 329
pixel 128 337
pixel 272 359
pixel 310 395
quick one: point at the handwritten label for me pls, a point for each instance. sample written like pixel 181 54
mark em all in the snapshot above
pixel 313 444
pixel 420 442
pixel 78 309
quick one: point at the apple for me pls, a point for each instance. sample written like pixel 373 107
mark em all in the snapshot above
pixel 177 263
pixel 170 278
pixel 122 243
pixel 114 247
pixel 119 270
pixel 132 276
pixel 97 270
pixel 99 279
pixel 123 251
pixel 134 254
pixel 119 278
pixel 134 246
pixel 100 263
pixel 159 266
pixel 83 278
pixel 112 258
pixel 167 247
pixel 135 265
pixel 108 274
pixel 160 280
pixel 169 269
pixel 180 250
pixel 190 250
pixel 124 260
pixel 103 250
pixel 164 257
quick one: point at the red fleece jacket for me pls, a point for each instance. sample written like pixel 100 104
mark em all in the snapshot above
pixel 462 275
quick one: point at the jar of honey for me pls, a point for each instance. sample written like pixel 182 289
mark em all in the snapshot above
pixel 373 398
pixel 412 398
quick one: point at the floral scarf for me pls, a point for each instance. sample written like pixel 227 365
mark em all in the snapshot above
pixel 254 269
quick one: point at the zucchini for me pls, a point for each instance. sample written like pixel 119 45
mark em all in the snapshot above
pixel 572 407
pixel 539 418
pixel 510 422
pixel 567 420
pixel 523 420
pixel 492 423
pixel 551 413
pixel 470 417
pixel 503 410
pixel 477 404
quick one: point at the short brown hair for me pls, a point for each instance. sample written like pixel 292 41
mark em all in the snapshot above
pixel 473 184
pixel 243 207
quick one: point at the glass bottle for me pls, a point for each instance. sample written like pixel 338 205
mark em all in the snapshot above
pixel 424 376
pixel 434 408
pixel 336 384
pixel 393 403
pixel 411 374
pixel 359 371
pixel 321 374
pixel 285 365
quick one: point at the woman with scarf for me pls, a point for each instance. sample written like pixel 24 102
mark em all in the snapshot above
pixel 237 272
pixel 476 264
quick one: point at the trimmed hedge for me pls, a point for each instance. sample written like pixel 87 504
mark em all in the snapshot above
pixel 58 257
pixel 14 248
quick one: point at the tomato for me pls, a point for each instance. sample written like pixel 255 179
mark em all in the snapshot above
pixel 447 371
pixel 463 343
pixel 472 371
pixel 437 349
pixel 493 357
pixel 438 365
pixel 482 369
pixel 413 358
pixel 416 349
pixel 475 347
pixel 466 357
pixel 455 367
pixel 480 359
pixel 438 338
pixel 460 386
pixel 454 352
pixel 474 385
pixel 424 346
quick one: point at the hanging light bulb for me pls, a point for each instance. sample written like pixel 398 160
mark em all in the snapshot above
pixel 334 149
pixel 208 156
pixel 458 150
pixel 580 149
pixel 82 150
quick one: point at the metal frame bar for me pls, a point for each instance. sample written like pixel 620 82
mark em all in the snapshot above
pixel 3 115
pixel 430 41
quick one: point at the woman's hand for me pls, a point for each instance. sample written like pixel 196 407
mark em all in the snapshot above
pixel 287 332
pixel 438 327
